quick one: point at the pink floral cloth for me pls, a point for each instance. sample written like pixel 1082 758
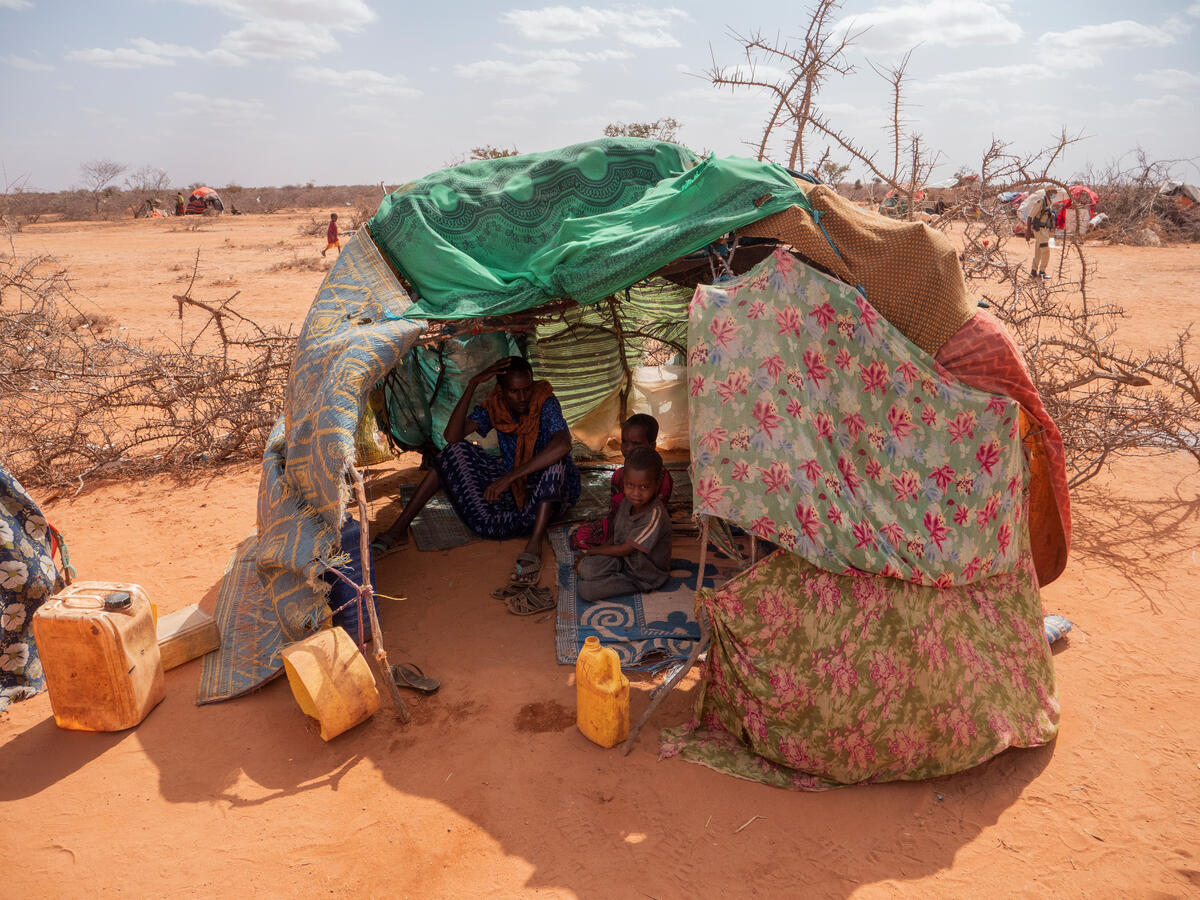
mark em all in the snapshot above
pixel 819 426
pixel 815 680
pixel 901 637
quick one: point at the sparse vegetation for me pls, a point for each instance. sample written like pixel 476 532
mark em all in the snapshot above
pixel 78 404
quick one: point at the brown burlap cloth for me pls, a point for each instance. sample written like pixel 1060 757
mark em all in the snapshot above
pixel 909 272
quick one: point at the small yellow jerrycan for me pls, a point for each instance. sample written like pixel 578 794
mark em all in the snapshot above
pixel 601 695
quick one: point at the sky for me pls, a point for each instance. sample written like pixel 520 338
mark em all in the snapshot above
pixel 275 92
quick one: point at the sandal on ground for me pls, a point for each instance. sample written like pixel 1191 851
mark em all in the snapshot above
pixel 526 570
pixel 529 601
pixel 387 544
pixel 409 675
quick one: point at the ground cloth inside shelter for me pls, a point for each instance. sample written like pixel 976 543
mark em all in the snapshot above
pixel 649 631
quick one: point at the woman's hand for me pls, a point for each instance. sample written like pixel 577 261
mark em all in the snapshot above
pixel 580 556
pixel 492 492
pixel 499 367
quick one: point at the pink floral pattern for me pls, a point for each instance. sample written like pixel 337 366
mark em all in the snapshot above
pixel 816 679
pixel 900 638
pixel 847 443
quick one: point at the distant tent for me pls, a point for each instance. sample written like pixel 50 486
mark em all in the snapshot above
pixel 203 199
pixel 1080 198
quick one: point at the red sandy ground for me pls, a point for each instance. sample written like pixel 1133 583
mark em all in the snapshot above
pixel 491 791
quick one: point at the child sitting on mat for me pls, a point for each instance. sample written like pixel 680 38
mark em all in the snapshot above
pixel 639 430
pixel 639 556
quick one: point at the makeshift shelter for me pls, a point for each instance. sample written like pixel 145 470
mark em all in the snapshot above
pixel 895 202
pixel 1077 209
pixel 458 268
pixel 203 199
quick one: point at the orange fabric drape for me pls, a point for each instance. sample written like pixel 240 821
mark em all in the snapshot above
pixel 526 428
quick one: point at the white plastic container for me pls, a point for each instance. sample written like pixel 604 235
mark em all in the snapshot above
pixel 99 649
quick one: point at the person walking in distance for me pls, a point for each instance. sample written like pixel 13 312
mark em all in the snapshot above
pixel 331 235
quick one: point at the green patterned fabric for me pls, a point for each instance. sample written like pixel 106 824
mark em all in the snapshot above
pixel 499 236
pixel 355 332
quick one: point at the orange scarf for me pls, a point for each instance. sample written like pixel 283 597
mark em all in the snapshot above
pixel 525 428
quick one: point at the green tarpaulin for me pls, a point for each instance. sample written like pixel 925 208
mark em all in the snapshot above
pixel 504 235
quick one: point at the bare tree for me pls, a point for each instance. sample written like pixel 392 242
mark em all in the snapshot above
pixel 98 176
pixel 487 151
pixel 664 129
pixel 146 184
pixel 794 94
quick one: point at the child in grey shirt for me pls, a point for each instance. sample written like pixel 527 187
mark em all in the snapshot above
pixel 639 555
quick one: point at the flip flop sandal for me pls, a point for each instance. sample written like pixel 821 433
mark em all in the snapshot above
pixel 530 601
pixel 526 570
pixel 409 675
pixel 381 548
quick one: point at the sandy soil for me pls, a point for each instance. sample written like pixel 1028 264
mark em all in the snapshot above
pixel 491 791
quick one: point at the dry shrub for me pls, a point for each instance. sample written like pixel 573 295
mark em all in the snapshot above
pixel 306 263
pixel 76 405
pixel 1106 399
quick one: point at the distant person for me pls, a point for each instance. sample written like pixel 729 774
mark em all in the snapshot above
pixel 638 558
pixel 180 205
pixel 1040 222
pixel 331 235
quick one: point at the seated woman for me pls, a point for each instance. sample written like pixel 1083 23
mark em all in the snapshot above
pixel 532 481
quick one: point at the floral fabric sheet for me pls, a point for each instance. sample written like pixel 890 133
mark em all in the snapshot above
pixel 27 578
pixel 815 679
pixel 817 425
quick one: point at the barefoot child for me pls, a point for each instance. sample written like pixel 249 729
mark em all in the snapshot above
pixel 639 555
pixel 331 235
pixel 639 430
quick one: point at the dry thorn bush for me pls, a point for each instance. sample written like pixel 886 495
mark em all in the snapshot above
pixel 76 405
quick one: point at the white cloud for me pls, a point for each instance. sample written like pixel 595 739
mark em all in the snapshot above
pixel 1193 10
pixel 189 104
pixel 986 76
pixel 349 15
pixel 638 26
pixel 15 4
pixel 562 53
pixel 948 23
pixel 267 29
pixel 27 65
pixel 1170 79
pixel 364 82
pixel 265 39
pixel 143 53
pixel 558 76
pixel 1166 103
pixel 121 58
pixel 1110 36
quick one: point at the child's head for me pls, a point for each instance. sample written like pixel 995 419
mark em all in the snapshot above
pixel 639 430
pixel 333 217
pixel 643 475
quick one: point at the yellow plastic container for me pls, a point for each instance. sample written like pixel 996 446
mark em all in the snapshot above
pixel 331 681
pixel 601 695
pixel 99 649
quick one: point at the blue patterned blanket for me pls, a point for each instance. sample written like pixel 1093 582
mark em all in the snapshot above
pixel 649 631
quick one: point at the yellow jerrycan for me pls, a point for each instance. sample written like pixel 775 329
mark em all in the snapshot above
pixel 601 695
pixel 100 653
pixel 331 680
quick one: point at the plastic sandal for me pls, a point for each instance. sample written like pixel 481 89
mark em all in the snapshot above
pixel 409 675
pixel 526 570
